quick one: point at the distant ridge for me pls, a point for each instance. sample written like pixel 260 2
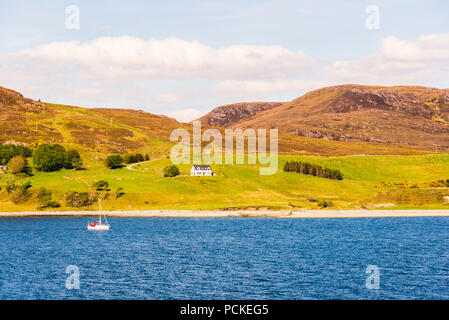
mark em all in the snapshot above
pixel 408 116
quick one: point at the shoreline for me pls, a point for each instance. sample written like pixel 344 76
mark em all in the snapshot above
pixel 303 214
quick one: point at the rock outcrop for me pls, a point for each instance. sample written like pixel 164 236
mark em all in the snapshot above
pixel 230 114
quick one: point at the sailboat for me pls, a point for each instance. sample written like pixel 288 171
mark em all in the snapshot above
pixel 98 225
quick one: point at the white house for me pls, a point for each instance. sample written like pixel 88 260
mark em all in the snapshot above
pixel 201 170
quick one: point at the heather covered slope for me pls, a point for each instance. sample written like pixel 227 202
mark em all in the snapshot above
pixel 111 130
pixel 19 116
pixel 411 117
pixel 108 130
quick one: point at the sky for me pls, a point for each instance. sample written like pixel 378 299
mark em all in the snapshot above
pixel 183 58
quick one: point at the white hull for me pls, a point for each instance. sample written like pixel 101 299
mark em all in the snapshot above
pixel 100 227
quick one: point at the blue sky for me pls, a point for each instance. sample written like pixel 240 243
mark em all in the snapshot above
pixel 309 44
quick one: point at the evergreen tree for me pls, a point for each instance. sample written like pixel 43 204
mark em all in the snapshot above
pixel 293 166
pixel 139 157
pixel 312 169
pixel 319 171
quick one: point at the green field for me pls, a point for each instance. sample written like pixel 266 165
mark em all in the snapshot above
pixel 368 180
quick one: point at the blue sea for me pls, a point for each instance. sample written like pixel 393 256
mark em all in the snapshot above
pixel 225 258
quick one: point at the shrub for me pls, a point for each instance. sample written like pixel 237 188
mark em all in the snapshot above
pixel 21 193
pixel 78 199
pixel 49 204
pixel 325 204
pixel 114 161
pixel 147 157
pixel 440 183
pixel 101 185
pixel 74 160
pixel 10 186
pixel 119 192
pixel 18 164
pixel 44 195
pixel 44 198
pixel 102 196
pixel 8 151
pixel 171 171
pixel 53 204
pixel 49 157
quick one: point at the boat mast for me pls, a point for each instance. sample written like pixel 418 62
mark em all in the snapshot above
pixel 99 208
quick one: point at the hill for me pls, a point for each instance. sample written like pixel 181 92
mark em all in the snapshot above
pixel 411 117
pixel 112 130
pixel 109 130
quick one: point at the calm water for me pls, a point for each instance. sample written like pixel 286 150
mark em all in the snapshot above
pixel 225 258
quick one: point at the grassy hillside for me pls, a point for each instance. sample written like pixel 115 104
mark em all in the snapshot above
pixel 374 173
pixel 368 180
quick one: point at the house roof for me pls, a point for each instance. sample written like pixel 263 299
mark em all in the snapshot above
pixel 201 167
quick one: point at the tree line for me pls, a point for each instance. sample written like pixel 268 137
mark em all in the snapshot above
pixel 115 161
pixel 312 169
pixel 8 151
pixel 46 157
pixel 53 157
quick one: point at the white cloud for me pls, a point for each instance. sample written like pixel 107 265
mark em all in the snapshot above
pixel 430 48
pixel 171 58
pixel 172 73
pixel 398 62
pixel 186 115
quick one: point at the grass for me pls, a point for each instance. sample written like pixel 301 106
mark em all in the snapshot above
pixel 367 180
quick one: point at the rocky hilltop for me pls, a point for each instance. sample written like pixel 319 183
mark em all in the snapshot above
pixel 230 114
